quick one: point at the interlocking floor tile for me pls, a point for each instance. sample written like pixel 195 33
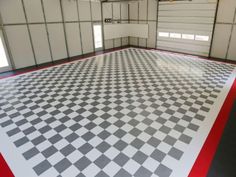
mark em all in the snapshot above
pixel 132 112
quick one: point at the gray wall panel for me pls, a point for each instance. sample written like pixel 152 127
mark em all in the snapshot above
pixel 34 11
pixel 20 46
pixel 52 10
pixel 87 37
pixel 73 38
pixel 57 40
pixel 12 11
pixel 40 43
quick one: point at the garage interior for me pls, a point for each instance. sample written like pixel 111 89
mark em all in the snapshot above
pixel 117 88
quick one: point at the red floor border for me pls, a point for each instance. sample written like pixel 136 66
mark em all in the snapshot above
pixel 206 155
pixel 5 171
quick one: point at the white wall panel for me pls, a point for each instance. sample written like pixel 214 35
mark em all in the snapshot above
pixel 133 10
pixel 12 11
pixel 142 42
pixel 52 10
pixel 116 11
pixel 34 10
pixel 40 43
pixel 96 11
pixel 112 31
pixel 220 40
pixel 108 44
pixel 152 9
pixel 143 10
pixel 57 41
pixel 70 10
pixel 19 42
pixel 125 41
pixel 151 42
pixel 226 11
pixel 73 39
pixel 117 42
pixel 232 48
pixel 133 41
pixel 84 10
pixel 87 37
pixel 124 11
pixel 107 10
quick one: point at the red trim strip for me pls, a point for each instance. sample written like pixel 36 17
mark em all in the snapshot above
pixel 205 157
pixel 5 171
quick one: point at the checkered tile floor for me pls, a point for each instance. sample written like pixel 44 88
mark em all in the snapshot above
pixel 127 113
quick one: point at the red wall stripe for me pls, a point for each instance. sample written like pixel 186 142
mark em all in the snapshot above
pixel 205 157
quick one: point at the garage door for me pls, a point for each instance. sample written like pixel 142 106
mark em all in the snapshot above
pixel 186 26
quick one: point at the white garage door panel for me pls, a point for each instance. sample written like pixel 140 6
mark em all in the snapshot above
pixel 73 39
pixel 193 13
pixel 70 10
pixel 232 49
pixel 57 41
pixel 187 5
pixel 12 11
pixel 52 10
pixel 202 27
pixel 197 48
pixel 191 31
pixel 20 46
pixel 84 10
pixel 34 10
pixel 87 38
pixel 186 17
pixel 180 50
pixel 226 11
pixel 220 40
pixel 40 43
pixel 186 41
pixel 96 11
